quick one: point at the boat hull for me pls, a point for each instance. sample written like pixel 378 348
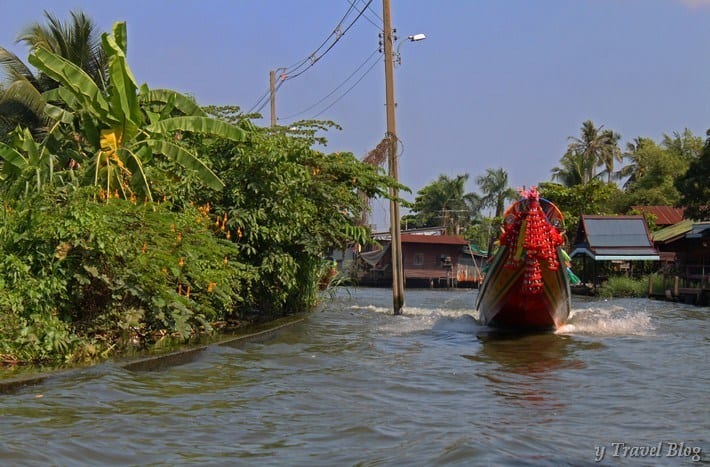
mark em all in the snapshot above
pixel 526 286
pixel 501 302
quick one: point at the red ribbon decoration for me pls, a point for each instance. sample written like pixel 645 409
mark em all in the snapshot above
pixel 540 241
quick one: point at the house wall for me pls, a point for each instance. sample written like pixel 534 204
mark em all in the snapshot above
pixel 423 262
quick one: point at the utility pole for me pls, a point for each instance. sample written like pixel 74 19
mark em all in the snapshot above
pixel 272 91
pixel 396 239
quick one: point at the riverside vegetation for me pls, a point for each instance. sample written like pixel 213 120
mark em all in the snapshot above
pixel 130 215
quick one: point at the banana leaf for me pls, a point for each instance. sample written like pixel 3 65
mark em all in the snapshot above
pixel 186 159
pixel 203 125
pixel 181 102
pixel 74 79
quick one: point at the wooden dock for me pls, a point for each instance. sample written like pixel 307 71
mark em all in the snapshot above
pixel 690 289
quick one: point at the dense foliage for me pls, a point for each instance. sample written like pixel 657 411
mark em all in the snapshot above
pixel 133 214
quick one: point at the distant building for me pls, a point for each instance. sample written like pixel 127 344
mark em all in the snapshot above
pixel 663 216
pixel 619 240
pixel 685 254
pixel 429 259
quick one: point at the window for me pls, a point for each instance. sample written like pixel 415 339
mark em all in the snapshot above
pixel 418 259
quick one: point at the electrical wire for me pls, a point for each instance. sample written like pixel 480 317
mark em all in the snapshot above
pixel 315 60
pixel 367 17
pixel 288 71
pixel 293 68
pixel 349 89
pixel 368 7
pixel 334 90
pixel 276 88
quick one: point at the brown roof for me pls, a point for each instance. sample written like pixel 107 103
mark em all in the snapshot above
pixel 665 215
pixel 433 239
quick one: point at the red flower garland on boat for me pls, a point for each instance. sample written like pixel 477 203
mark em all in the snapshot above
pixel 528 233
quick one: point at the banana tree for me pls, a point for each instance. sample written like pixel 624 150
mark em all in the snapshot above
pixel 122 129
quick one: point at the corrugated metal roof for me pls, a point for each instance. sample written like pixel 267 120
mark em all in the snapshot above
pixel 700 230
pixel 616 231
pixel 433 239
pixel 665 215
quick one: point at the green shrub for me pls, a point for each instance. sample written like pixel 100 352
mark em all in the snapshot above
pixel 621 286
pixel 111 272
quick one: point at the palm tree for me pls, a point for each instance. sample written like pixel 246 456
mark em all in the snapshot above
pixel 610 154
pixel 444 202
pixel 494 185
pixel 572 169
pixel 20 98
pixel 117 133
pixel 77 41
pixel 636 153
pixel 595 147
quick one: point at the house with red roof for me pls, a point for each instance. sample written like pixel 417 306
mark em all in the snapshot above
pixel 429 259
pixel 662 216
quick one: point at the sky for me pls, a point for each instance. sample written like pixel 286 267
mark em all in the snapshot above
pixel 496 84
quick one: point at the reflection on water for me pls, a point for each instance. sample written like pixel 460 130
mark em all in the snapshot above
pixel 521 369
pixel 354 385
pixel 530 354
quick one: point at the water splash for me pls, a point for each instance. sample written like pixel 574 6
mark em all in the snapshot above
pixel 415 319
pixel 611 321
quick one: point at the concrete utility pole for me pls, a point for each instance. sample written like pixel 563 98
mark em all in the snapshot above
pixel 396 242
pixel 272 91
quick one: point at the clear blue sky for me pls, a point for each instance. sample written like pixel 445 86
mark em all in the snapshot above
pixel 495 84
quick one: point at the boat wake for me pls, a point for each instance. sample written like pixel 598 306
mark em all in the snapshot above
pixel 612 321
pixel 417 319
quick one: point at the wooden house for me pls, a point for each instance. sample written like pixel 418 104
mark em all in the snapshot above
pixel 616 240
pixel 685 253
pixel 428 260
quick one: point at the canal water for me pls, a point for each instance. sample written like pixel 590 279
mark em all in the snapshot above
pixel 625 382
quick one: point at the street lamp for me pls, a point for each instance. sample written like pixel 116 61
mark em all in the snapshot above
pixel 412 38
pixel 396 239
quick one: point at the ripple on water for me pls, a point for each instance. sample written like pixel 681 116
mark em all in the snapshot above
pixel 355 385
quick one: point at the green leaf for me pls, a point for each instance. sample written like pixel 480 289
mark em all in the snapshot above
pixel 123 89
pixel 73 78
pixel 186 159
pixel 203 125
pixel 12 157
pixel 58 114
pixel 120 35
pixel 181 102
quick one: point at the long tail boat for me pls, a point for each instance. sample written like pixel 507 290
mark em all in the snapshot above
pixel 526 286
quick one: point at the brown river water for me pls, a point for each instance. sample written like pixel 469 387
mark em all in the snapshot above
pixel 626 382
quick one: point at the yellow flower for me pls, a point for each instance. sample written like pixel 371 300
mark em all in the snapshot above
pixel 181 263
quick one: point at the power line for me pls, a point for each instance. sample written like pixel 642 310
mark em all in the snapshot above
pixel 263 99
pixel 336 32
pixel 367 17
pixel 373 11
pixel 314 60
pixel 349 89
pixel 336 88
